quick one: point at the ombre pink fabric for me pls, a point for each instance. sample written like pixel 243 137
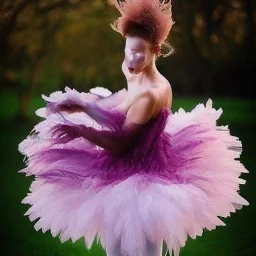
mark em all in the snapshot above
pixel 182 174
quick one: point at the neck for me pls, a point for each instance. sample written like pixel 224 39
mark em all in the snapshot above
pixel 148 73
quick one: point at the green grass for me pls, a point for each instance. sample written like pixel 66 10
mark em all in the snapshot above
pixel 235 111
pixel 18 237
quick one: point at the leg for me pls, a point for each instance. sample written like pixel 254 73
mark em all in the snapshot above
pixel 151 249
pixel 115 250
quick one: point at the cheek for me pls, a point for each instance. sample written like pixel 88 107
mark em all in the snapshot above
pixel 139 61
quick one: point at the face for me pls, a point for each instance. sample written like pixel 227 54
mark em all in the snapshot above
pixel 139 54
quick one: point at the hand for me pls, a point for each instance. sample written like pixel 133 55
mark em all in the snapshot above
pixel 68 105
pixel 70 108
pixel 64 133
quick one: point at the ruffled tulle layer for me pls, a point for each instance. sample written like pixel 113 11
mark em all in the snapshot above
pixel 168 202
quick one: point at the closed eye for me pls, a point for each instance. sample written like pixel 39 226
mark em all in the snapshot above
pixel 131 51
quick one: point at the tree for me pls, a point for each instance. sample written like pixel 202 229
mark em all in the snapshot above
pixel 46 45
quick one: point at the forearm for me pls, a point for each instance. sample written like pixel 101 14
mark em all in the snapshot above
pixel 75 103
pixel 116 143
pixel 96 110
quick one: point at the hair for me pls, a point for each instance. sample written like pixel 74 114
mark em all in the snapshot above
pixel 148 19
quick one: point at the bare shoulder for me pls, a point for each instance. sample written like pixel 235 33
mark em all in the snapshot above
pixel 146 99
pixel 169 94
pixel 150 95
pixel 167 85
pixel 164 90
pixel 143 106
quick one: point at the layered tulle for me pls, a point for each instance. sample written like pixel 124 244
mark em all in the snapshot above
pixel 181 176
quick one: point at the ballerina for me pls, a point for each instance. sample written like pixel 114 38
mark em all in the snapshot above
pixel 122 168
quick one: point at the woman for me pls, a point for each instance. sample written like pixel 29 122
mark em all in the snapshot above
pixel 123 168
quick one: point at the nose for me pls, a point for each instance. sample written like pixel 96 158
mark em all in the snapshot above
pixel 129 60
pixel 130 57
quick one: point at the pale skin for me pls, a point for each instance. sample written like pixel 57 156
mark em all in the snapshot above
pixel 148 90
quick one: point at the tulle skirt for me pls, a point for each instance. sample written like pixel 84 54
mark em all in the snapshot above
pixel 144 207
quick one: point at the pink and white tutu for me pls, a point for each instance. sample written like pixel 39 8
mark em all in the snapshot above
pixel 179 178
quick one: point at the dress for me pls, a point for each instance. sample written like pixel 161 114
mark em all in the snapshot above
pixel 180 176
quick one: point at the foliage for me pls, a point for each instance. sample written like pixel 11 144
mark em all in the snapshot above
pixel 46 45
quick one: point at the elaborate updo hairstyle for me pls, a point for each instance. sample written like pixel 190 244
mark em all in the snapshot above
pixel 148 19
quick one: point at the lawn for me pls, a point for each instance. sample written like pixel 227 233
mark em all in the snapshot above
pixel 18 237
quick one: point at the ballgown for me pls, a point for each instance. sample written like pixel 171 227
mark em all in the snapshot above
pixel 181 175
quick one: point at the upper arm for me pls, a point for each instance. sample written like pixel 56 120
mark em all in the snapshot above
pixel 138 114
pixel 143 108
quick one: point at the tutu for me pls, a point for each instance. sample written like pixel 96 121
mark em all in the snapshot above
pixel 179 178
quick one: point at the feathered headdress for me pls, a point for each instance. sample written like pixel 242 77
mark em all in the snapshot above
pixel 151 19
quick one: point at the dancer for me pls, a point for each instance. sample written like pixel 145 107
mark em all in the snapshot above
pixel 122 168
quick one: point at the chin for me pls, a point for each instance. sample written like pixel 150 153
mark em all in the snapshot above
pixel 134 72
pixel 137 71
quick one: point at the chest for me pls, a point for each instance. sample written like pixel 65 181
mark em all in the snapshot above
pixel 126 103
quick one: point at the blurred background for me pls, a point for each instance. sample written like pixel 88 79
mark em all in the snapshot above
pixel 48 45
